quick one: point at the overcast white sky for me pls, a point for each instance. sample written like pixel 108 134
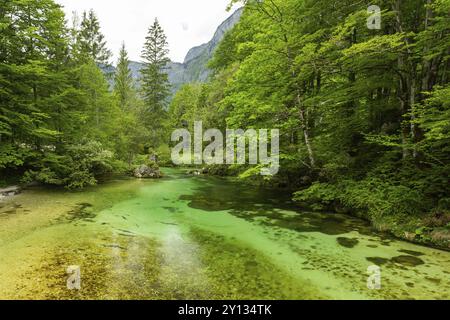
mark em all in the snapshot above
pixel 186 23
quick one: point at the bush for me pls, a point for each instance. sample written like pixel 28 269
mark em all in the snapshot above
pixel 373 198
pixel 144 160
pixel 81 166
pixel 319 196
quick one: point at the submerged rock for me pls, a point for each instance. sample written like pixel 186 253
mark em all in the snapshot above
pixel 406 261
pixel 347 242
pixel 377 260
pixel 146 172
pixel 411 252
pixel 409 261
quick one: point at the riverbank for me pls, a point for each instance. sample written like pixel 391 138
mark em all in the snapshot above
pixel 9 192
pixel 430 229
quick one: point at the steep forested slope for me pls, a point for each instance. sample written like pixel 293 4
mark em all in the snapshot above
pixel 363 112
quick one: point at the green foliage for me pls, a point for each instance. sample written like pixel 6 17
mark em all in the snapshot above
pixel 59 122
pixel 374 198
pixel 319 196
pixel 155 81
pixel 12 156
pixel 80 166
pixel 363 114
pixel 145 159
pixel 90 42
pixel 123 80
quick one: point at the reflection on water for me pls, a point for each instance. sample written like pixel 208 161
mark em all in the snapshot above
pixel 200 238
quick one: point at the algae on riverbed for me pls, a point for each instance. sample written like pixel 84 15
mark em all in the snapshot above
pixel 161 240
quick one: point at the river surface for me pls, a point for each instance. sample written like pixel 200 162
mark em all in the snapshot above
pixel 186 237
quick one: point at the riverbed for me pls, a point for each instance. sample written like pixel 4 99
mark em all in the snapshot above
pixel 185 237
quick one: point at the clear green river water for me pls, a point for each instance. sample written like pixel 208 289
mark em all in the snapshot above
pixel 185 237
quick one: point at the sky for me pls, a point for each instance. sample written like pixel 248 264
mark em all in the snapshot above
pixel 186 23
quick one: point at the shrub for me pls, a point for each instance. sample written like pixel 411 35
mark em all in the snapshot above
pixel 80 166
pixel 374 198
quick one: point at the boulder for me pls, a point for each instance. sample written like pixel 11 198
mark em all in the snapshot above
pixel 204 171
pixel 194 172
pixel 146 172
pixel 153 158
pixel 198 172
pixel 10 191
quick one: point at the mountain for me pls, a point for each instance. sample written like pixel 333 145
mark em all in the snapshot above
pixel 198 57
pixel 194 67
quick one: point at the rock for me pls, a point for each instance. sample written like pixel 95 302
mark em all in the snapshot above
pixel 409 261
pixel 195 172
pixel 153 158
pixel 204 171
pixel 412 253
pixel 146 172
pixel 347 242
pixel 409 236
pixel 9 192
pixel 377 260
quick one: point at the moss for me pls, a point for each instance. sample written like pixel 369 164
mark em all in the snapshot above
pixel 237 272
pixel 347 242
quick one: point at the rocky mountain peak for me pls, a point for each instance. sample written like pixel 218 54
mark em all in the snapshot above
pixel 194 68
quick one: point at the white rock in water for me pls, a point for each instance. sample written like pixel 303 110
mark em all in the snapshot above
pixel 147 172
pixel 10 191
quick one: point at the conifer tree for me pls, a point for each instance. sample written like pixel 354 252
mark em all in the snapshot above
pixel 123 84
pixel 91 42
pixel 155 81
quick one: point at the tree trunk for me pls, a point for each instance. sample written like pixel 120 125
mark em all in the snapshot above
pixel 306 133
pixel 412 103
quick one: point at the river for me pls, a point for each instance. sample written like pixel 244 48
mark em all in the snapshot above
pixel 185 237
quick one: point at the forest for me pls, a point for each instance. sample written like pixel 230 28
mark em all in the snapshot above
pixel 363 113
pixel 61 121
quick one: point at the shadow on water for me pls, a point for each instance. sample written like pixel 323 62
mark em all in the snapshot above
pixel 403 260
pixel 270 208
pixel 81 212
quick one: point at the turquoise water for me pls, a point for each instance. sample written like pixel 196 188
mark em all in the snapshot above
pixel 186 237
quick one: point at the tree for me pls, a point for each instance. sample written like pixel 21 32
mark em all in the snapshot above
pixel 123 81
pixel 91 42
pixel 155 81
pixel 51 106
pixel 129 132
pixel 363 113
pixel 33 55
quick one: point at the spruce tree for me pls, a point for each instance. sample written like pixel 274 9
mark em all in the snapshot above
pixel 91 42
pixel 123 84
pixel 155 80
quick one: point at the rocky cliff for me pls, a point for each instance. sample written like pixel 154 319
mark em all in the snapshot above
pixel 194 68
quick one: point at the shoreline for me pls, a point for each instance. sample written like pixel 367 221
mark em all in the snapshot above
pixel 395 231
pixel 8 192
